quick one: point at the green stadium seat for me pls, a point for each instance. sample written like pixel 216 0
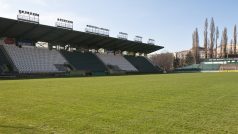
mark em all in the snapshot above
pixel 84 61
pixel 200 67
pixel 118 62
pixel 209 67
pixel 5 66
pixel 142 64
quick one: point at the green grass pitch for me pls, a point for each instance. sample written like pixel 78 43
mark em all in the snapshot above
pixel 175 103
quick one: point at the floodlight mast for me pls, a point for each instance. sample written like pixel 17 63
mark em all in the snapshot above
pixel 27 16
pixel 123 36
pixel 151 42
pixel 96 30
pixel 138 39
pixel 65 24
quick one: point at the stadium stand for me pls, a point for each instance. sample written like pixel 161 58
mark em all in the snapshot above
pixel 21 55
pixel 200 67
pixel 190 68
pixel 85 61
pixel 36 60
pixel 209 67
pixel 5 66
pixel 117 62
pixel 142 64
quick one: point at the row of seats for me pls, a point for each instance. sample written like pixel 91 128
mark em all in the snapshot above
pixel 96 62
pixel 31 60
pixel 84 61
pixel 209 67
pixel 35 60
pixel 4 63
pixel 200 67
pixel 142 64
pixel 117 60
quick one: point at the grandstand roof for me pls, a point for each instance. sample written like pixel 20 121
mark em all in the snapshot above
pixel 38 32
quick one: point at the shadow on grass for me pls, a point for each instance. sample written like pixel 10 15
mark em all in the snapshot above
pixel 16 127
pixel 19 128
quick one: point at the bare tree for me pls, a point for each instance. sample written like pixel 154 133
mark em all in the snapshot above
pixel 221 48
pixel 177 60
pixel 217 37
pixel 164 60
pixel 224 42
pixel 195 48
pixel 235 39
pixel 231 47
pixel 208 46
pixel 205 37
pixel 189 60
pixel 212 37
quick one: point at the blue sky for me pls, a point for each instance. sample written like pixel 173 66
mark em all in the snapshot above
pixel 169 22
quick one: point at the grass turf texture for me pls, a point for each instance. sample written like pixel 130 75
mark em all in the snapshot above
pixel 176 103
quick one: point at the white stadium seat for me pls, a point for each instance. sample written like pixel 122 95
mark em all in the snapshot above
pixel 35 60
